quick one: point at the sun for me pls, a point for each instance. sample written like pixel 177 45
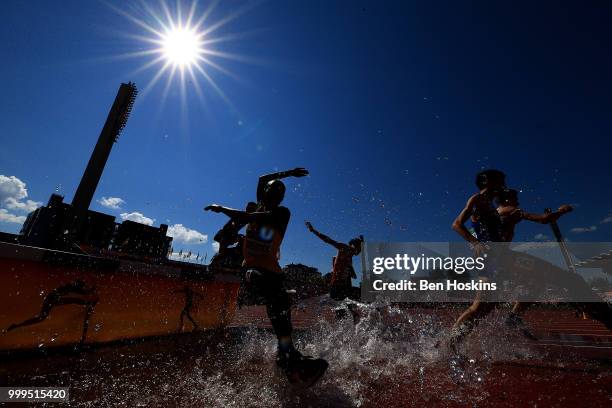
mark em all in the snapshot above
pixel 182 47
pixel 182 42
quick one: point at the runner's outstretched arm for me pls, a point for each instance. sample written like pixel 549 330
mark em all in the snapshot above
pixel 547 218
pixel 263 180
pixel 323 237
pixel 240 216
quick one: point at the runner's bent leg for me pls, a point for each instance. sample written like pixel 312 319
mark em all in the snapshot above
pixel 468 321
pixel 278 307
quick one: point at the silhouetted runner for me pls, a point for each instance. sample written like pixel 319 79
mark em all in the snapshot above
pixel 342 267
pixel 263 276
pixel 510 215
pixel 189 295
pixel 486 227
pixel 74 293
pixel 230 256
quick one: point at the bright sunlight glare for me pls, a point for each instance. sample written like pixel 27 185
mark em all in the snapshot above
pixel 181 46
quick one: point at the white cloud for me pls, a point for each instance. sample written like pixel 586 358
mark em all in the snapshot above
pixel 12 187
pixel 580 230
pixel 27 206
pixel 6 216
pixel 541 237
pixel 114 203
pixel 137 217
pixel 13 192
pixel 185 235
pixel 215 246
pixel 607 219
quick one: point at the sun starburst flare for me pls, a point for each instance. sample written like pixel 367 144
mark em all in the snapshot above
pixel 180 46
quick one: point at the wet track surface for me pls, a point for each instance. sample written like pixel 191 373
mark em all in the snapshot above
pixel 389 358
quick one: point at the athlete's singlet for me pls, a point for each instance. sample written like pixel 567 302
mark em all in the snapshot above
pixel 342 268
pixel 263 240
pixel 486 223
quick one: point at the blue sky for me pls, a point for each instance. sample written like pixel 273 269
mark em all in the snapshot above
pixel 393 107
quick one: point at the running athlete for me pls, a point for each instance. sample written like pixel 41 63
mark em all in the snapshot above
pixel 486 227
pixel 510 215
pixel 263 276
pixel 230 256
pixel 342 267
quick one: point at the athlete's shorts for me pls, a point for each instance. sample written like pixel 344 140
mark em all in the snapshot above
pixel 262 287
pixel 258 286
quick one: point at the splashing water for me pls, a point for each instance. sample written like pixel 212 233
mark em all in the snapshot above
pixel 374 350
pixel 381 348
